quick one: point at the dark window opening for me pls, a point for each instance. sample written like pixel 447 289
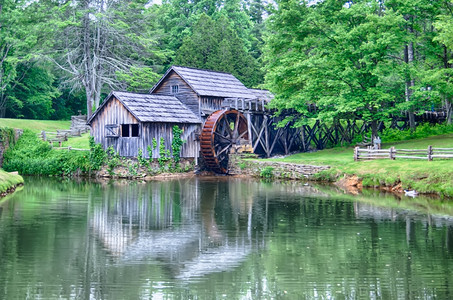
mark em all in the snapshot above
pixel 125 130
pixel 134 130
pixel 174 89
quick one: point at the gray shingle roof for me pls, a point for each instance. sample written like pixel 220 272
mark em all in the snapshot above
pixel 154 108
pixel 211 83
pixel 262 94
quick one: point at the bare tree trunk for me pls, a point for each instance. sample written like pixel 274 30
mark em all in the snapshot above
pixel 374 129
pixel 88 62
pixel 448 107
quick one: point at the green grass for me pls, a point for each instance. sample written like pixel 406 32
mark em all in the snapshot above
pixel 52 126
pixel 35 125
pixel 425 176
pixel 8 180
pixel 78 142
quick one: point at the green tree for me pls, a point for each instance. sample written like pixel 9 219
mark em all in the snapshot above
pixel 32 96
pixel 335 54
pixel 15 40
pixel 443 76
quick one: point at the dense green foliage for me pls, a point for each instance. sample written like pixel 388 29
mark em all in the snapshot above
pixel 361 59
pixel 32 156
pixel 176 143
pixel 164 153
pixel 426 130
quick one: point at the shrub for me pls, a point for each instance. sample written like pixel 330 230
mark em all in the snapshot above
pixel 267 172
pixel 97 155
pixel 32 156
pixel 422 131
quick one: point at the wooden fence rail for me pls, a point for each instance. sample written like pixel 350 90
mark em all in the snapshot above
pixel 70 149
pixel 392 153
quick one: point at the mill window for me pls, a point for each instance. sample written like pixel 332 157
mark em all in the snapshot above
pixel 174 89
pixel 134 130
pixel 129 130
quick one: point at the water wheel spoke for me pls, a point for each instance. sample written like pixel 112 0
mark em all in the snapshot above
pixel 221 159
pixel 221 136
pixel 236 125
pixel 223 127
pixel 227 126
pixel 242 134
pixel 223 150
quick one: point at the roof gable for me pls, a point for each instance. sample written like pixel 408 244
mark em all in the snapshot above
pixel 210 83
pixel 153 108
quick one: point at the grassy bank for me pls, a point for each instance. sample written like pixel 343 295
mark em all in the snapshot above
pixel 8 180
pixel 35 126
pixel 424 176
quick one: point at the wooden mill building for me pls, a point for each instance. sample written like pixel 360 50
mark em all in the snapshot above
pixel 129 122
pixel 214 110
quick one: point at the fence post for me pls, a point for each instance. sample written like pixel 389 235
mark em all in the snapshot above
pixel 430 153
pixel 392 153
pixel 43 134
pixel 356 153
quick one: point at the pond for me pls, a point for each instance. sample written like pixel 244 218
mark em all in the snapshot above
pixel 218 238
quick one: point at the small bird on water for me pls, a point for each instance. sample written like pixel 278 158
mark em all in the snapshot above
pixel 410 193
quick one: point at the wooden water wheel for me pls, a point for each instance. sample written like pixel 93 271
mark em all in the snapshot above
pixel 223 129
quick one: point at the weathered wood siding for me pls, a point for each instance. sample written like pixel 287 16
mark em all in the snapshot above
pixel 190 148
pixel 185 94
pixel 211 104
pixel 114 113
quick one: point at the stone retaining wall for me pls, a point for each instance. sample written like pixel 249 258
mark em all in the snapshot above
pixel 278 170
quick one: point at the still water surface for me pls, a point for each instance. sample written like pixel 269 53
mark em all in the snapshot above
pixel 216 238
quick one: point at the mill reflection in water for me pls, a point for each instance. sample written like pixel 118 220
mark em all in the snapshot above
pixel 175 222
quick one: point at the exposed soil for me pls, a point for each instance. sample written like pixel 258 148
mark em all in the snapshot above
pixel 353 185
pixel 10 190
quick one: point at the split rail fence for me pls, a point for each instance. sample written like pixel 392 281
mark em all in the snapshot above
pixel 51 137
pixel 392 153
pixel 70 149
pixel 58 137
